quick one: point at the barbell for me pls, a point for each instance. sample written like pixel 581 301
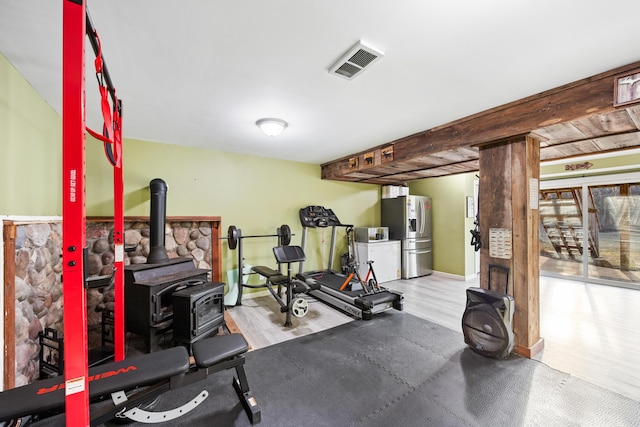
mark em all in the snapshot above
pixel 234 235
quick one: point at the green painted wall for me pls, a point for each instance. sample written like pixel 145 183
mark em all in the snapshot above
pixel 31 141
pixel 255 194
pixel 452 250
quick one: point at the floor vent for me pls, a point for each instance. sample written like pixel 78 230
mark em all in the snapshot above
pixel 355 61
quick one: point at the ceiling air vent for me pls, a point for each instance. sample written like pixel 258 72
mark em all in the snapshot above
pixel 355 61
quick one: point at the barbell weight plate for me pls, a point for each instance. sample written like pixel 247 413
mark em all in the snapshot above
pixel 232 237
pixel 299 307
pixel 285 235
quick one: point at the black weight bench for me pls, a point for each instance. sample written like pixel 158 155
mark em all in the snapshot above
pixel 138 380
pixel 274 276
pixel 296 306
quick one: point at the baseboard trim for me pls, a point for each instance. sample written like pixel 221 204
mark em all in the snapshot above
pixel 531 351
pixel 451 276
pixel 257 294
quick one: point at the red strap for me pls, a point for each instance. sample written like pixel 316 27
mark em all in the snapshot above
pixel 112 128
pixel 98 61
pixel 104 91
pixel 117 136
pixel 117 144
pixel 99 136
pixel 106 108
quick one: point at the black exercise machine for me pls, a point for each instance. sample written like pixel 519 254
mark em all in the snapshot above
pixel 234 241
pixel 344 292
pixel 137 381
pixel 294 304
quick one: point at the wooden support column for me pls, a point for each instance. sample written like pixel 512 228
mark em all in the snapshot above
pixel 509 186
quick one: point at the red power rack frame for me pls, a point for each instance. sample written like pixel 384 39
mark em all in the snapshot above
pixel 76 27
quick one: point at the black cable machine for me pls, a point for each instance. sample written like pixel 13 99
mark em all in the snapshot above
pixel 346 292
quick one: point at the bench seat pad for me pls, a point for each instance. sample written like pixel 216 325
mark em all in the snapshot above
pixel 218 348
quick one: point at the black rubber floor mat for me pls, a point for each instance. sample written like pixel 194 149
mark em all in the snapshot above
pixel 399 370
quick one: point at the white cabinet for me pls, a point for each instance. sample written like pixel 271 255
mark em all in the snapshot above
pixel 385 256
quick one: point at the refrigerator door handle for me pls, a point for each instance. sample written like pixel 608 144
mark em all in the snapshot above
pixel 423 217
pixel 422 240
pixel 419 215
pixel 419 251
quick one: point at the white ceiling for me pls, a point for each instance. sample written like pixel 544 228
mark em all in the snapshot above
pixel 201 72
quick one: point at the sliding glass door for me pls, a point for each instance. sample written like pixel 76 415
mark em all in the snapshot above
pixel 590 229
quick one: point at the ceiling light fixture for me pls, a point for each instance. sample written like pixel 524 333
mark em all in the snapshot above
pixel 272 127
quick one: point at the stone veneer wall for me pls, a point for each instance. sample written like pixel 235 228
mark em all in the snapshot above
pixel 38 277
pixel 38 289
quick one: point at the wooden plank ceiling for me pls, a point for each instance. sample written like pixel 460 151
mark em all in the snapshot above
pixel 572 120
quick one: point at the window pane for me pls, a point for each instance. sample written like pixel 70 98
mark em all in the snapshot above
pixel 561 231
pixel 611 237
pixel 617 231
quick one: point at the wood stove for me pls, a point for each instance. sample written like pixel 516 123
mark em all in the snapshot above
pixel 149 288
pixel 149 292
pixel 198 311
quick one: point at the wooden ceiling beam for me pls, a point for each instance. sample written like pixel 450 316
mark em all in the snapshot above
pixel 586 97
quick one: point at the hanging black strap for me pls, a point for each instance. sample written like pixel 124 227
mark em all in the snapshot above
pixel 476 242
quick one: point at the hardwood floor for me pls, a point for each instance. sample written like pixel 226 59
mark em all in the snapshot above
pixel 262 324
pixel 590 331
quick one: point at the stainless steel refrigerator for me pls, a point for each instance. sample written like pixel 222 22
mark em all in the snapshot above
pixel 409 220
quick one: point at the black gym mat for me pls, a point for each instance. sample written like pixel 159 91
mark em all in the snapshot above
pixel 400 370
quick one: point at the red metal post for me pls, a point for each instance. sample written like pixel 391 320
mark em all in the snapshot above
pixel 118 240
pixel 113 149
pixel 74 213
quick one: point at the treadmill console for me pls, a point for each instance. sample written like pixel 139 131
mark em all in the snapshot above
pixel 318 216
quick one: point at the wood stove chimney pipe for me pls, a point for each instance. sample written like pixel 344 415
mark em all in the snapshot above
pixel 157 221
